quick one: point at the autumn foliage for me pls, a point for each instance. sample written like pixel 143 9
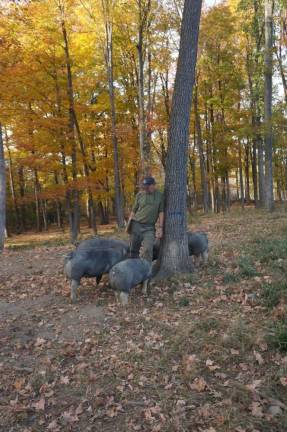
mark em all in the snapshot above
pixel 59 156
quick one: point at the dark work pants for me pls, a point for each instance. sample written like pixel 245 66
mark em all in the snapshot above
pixel 142 235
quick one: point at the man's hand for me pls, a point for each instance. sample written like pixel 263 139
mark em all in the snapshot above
pixel 159 233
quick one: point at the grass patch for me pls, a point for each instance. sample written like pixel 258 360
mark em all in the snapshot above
pixel 208 324
pixel 273 293
pixel 238 336
pixel 268 250
pixel 277 336
pixel 183 301
pixel 247 268
pixel 230 278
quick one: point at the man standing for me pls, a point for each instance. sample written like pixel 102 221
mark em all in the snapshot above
pixel 147 209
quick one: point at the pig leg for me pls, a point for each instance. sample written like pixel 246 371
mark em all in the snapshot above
pixel 205 257
pixel 117 296
pixel 145 287
pixel 98 279
pixel 74 287
pixel 124 298
pixel 196 261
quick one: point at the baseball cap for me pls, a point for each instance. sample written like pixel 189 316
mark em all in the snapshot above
pixel 147 181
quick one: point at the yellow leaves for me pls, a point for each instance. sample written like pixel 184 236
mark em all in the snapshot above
pixel 19 383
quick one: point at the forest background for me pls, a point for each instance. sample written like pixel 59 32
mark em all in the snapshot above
pixel 86 88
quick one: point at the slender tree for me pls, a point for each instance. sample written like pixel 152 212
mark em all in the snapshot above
pixel 75 209
pixel 174 256
pixel 107 5
pixel 143 14
pixel 269 198
pixel 2 192
pixel 204 184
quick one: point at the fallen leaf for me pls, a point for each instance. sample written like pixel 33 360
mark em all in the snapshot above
pixel 189 362
pixel 53 426
pixel 258 357
pixel 93 377
pixel 263 346
pixel 18 384
pixel 199 384
pixel 148 415
pixel 39 342
pixel 254 385
pixel 69 417
pixel 256 409
pixel 79 409
pixel 243 366
pixel 64 380
pixel 40 405
pixel 283 381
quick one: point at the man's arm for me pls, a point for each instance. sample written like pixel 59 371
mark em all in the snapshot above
pixel 160 225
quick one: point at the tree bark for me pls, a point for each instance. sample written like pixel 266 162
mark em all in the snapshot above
pixel 37 201
pixel 240 174
pixel 174 256
pixel 247 177
pixel 204 185
pixel 58 206
pixel 19 227
pixel 2 192
pixel 22 195
pixel 110 72
pixel 75 210
pixel 254 173
pixel 261 174
pixel 269 196
pixel 144 9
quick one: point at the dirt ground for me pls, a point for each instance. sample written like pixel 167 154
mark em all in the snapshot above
pixel 204 353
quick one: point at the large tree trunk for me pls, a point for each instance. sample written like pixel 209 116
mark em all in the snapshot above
pixel 269 197
pixel 174 256
pixel 110 71
pixel 2 192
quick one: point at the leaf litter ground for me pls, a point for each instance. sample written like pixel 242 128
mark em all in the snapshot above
pixel 203 353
